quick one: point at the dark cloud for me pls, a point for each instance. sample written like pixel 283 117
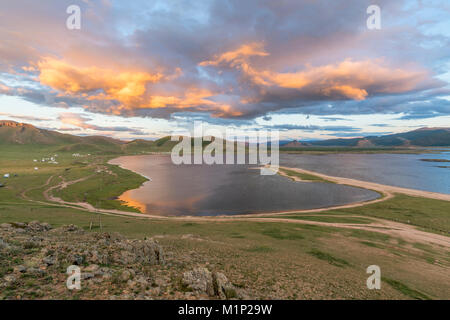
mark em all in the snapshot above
pixel 162 59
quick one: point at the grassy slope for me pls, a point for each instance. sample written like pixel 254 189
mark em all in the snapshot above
pixel 431 215
pixel 272 259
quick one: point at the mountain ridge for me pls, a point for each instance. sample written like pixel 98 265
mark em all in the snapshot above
pixel 16 133
pixel 422 137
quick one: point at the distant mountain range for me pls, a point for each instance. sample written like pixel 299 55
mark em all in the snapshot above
pixel 424 137
pixel 14 133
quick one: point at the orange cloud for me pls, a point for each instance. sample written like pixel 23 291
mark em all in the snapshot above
pixel 129 88
pixel 239 55
pixel 348 79
pixel 193 98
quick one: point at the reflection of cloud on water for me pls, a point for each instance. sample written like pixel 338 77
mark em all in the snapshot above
pixel 130 202
pixel 184 206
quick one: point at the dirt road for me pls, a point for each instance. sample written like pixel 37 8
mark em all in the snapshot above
pixel 404 231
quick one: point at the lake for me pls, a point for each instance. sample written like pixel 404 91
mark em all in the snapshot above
pixel 226 189
pixel 400 170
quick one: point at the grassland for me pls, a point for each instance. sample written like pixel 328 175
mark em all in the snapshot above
pixel 303 176
pixel 270 259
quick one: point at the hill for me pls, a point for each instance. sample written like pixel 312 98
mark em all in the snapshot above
pixel 424 137
pixel 21 134
pixel 14 133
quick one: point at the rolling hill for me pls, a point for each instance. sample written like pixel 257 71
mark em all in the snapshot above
pixel 21 134
pixel 424 137
pixel 15 133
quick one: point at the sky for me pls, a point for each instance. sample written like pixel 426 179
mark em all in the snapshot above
pixel 142 69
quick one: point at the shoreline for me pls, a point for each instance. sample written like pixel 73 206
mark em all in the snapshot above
pixel 385 226
pixel 385 191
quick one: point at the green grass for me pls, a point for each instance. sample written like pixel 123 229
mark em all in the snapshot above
pixel 327 219
pixel 282 234
pixel 102 189
pixel 303 176
pixel 371 244
pixel 329 258
pixel 251 248
pixel 429 214
pixel 259 249
pixel 407 291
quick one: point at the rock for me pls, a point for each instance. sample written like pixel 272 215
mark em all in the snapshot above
pixel 95 257
pixel 87 275
pixel 9 278
pixel 223 288
pixel 49 260
pixel 142 281
pixel 106 275
pixel 91 268
pixel 20 225
pixel 77 259
pixel 36 271
pixel 147 251
pixel 153 291
pixel 131 284
pixel 71 228
pixel 199 280
pixel 126 258
pixel 4 245
pixel 5 225
pixel 125 275
pixel 36 226
pixel 202 281
pixel 104 271
pixel 20 269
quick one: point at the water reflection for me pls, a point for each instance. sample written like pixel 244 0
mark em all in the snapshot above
pixel 226 189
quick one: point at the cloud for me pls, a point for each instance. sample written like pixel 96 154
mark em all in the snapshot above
pixel 356 80
pixel 93 83
pixel 23 117
pixel 80 121
pixel 310 128
pixel 124 91
pixel 229 59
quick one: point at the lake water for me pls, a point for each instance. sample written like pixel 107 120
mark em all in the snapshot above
pixel 226 189
pixel 401 170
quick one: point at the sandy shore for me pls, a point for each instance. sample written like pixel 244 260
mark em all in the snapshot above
pixel 405 231
pixel 386 191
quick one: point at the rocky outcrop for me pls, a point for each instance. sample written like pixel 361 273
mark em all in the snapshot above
pixel 202 281
pixel 34 258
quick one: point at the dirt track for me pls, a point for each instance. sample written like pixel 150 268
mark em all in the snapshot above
pixel 395 229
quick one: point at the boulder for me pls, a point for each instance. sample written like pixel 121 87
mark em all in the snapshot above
pixel 147 251
pixel 49 260
pixel 202 281
pixel 223 288
pixel 199 280
pixel 36 226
